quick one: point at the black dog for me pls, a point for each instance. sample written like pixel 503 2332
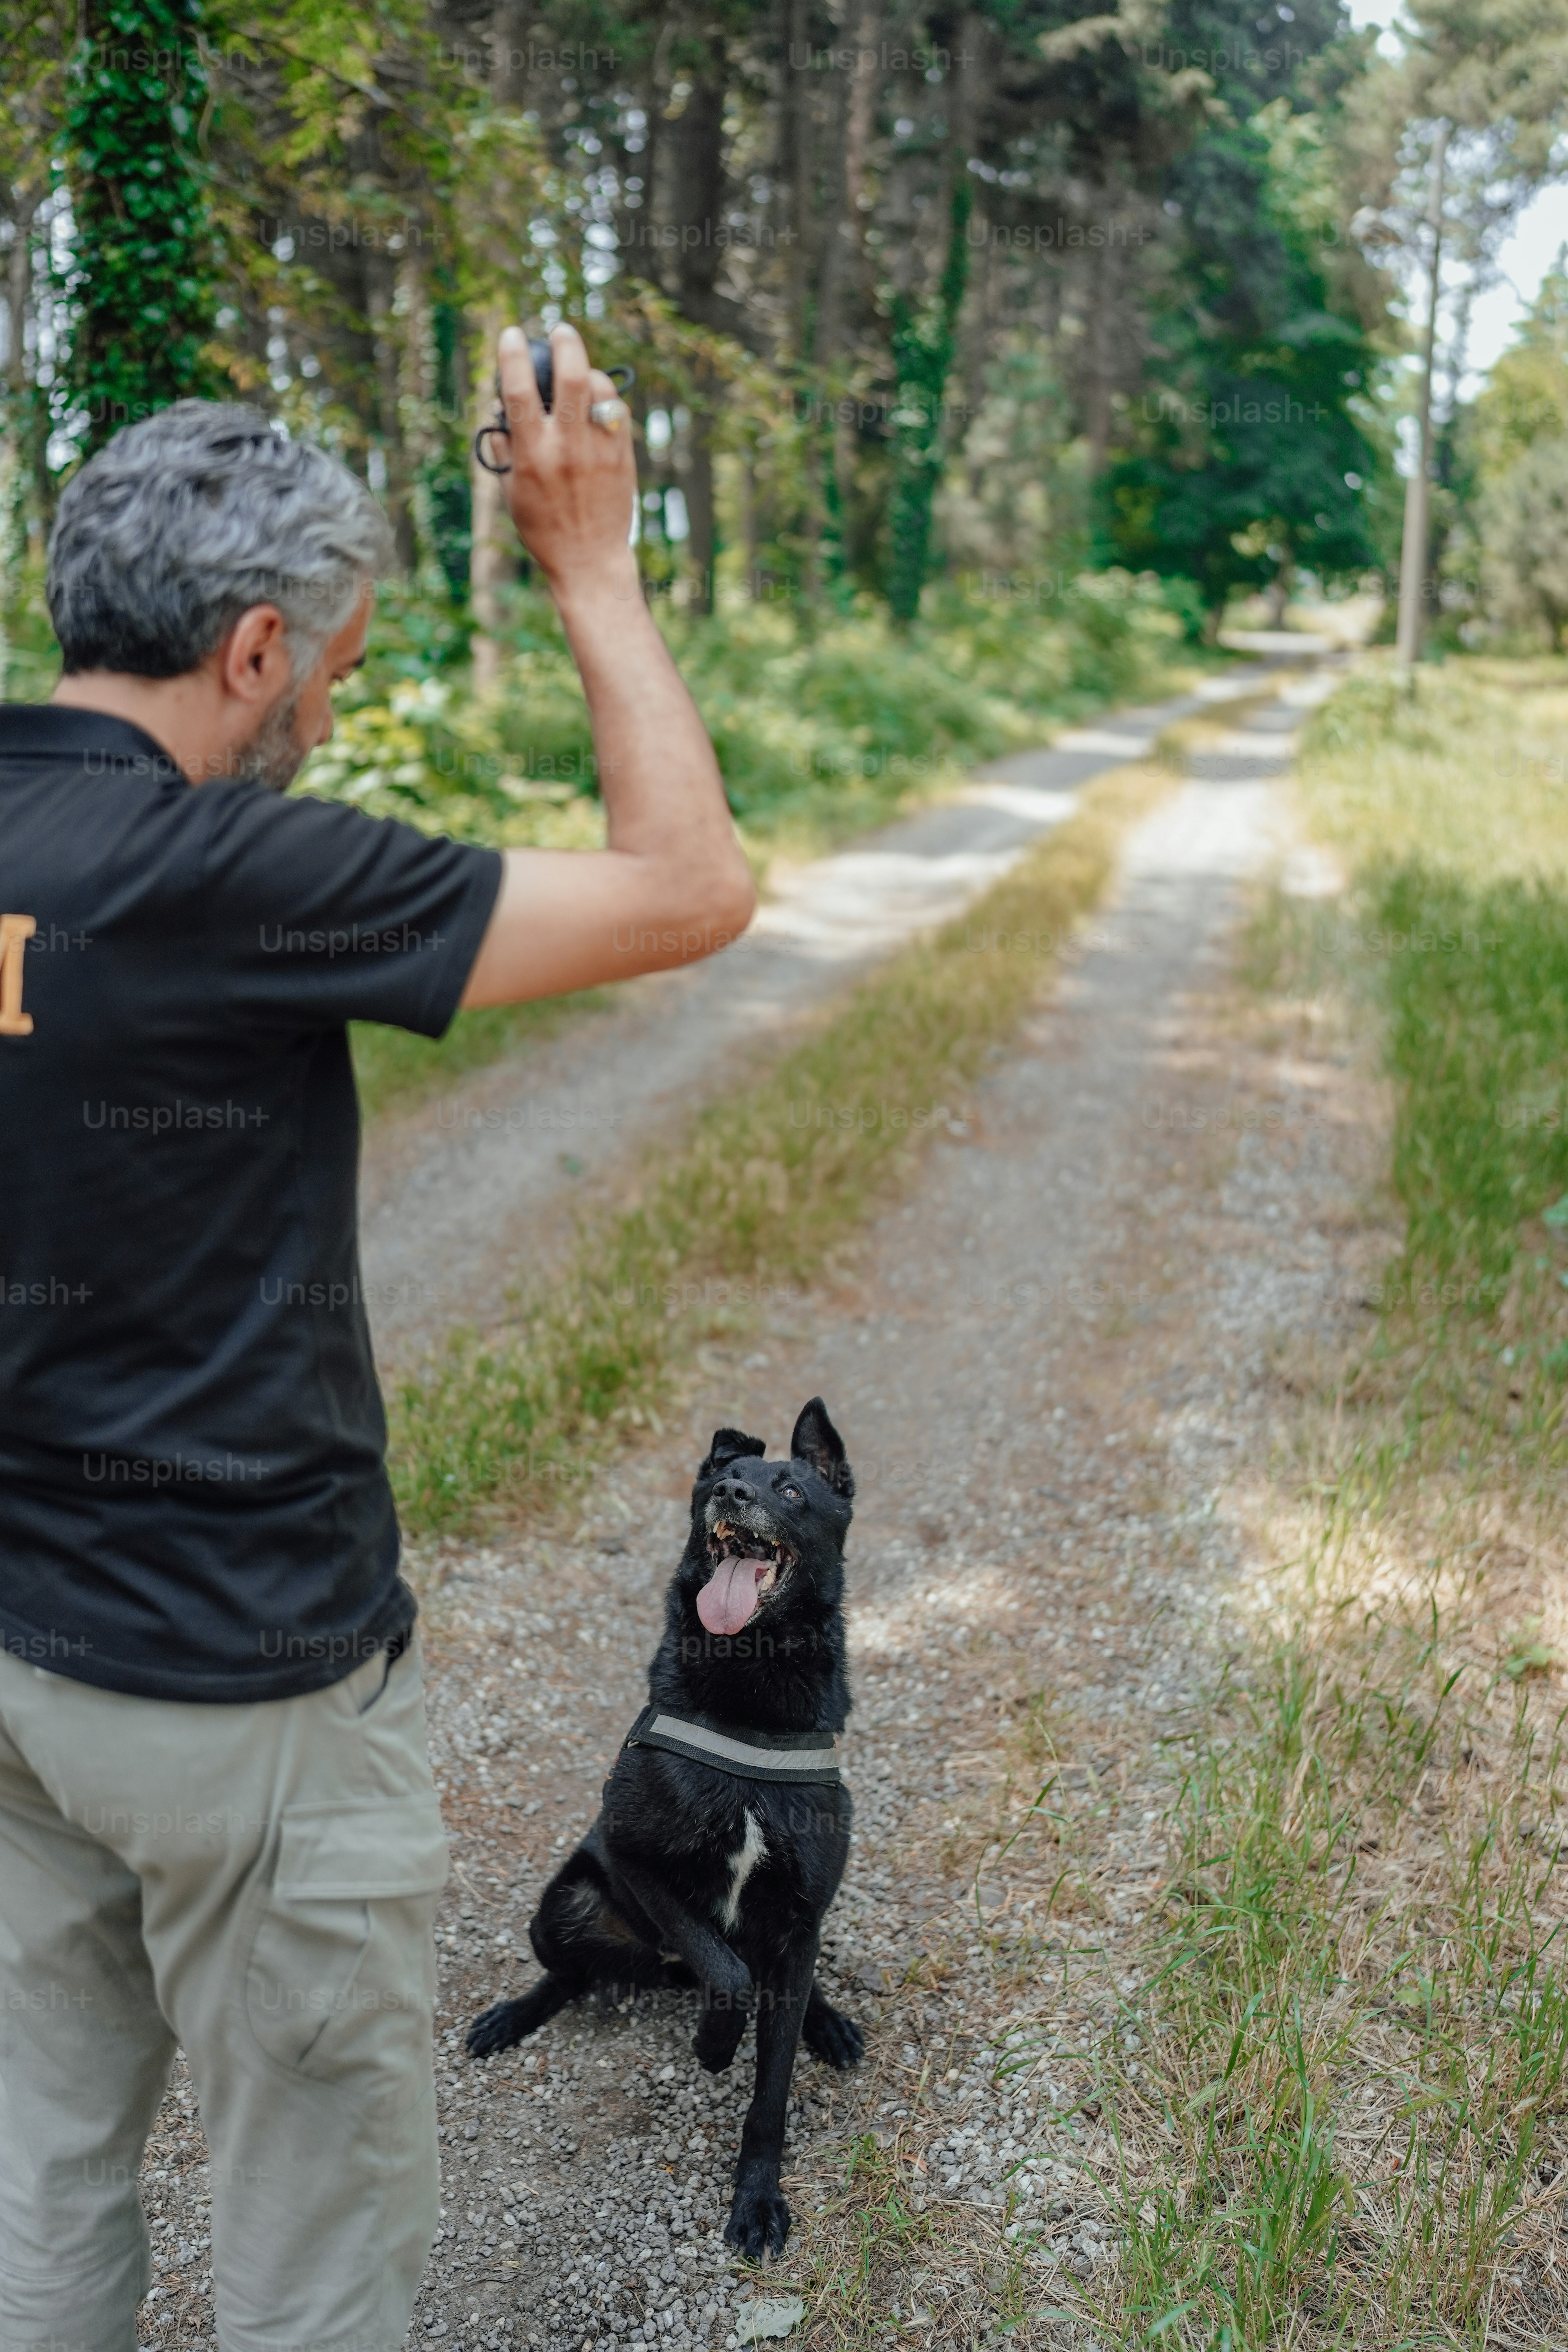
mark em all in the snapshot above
pixel 721 1840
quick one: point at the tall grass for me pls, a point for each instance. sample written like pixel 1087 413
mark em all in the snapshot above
pixel 1355 2028
pixel 1468 777
pixel 1477 1036
pixel 1452 812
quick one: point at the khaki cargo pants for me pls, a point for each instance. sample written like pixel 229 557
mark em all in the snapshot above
pixel 257 1883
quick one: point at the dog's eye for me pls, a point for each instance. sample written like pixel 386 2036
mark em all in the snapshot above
pixel 793 1493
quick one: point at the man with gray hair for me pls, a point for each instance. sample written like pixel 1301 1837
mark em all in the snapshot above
pixel 218 1827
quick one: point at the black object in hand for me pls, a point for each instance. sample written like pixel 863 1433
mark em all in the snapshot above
pixel 540 353
pixel 543 359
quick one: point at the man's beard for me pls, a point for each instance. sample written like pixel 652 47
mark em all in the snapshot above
pixel 272 758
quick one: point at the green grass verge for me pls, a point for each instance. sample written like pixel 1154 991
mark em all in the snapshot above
pixel 1451 812
pixel 1478 1040
pixel 773 1178
pixel 1338 2085
pixel 395 1069
pixel 1468 776
pixel 1354 2028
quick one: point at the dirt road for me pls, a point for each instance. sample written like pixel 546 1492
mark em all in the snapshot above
pixel 473 1187
pixel 1053 1364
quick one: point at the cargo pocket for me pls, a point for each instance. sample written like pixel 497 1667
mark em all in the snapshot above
pixel 341 1981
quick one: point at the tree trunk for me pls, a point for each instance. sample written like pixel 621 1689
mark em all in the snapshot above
pixel 493 548
pixel 923 338
pixel 702 546
pixel 510 29
pixel 794 147
pixel 27 417
pixel 1103 359
pixel 750 540
pixel 843 277
pixel 1279 594
pixel 693 199
pixel 379 286
pixel 18 287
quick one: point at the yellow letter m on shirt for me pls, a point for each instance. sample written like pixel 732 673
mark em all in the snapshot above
pixel 16 930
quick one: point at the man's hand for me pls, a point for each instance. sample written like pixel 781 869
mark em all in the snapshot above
pixel 672 884
pixel 573 485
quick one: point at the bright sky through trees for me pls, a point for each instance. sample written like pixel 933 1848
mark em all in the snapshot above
pixel 1524 258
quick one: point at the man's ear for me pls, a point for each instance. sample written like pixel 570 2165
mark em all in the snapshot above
pixel 253 659
pixel 728 1445
pixel 817 1442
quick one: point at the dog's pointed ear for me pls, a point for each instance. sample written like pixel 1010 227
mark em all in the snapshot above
pixel 728 1445
pixel 817 1442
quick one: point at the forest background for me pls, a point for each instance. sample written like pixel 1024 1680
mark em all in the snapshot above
pixel 984 356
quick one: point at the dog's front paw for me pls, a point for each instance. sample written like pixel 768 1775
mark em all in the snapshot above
pixel 834 2037
pixel 759 2221
pixel 496 2028
pixel 716 2040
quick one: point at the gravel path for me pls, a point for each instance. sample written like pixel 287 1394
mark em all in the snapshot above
pixel 1053 1363
pixel 461 1191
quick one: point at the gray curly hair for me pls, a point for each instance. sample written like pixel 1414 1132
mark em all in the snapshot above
pixel 189 517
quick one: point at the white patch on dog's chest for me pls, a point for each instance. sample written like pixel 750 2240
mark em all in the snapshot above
pixel 752 1850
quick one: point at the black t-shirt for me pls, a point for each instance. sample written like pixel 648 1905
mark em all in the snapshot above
pixel 194 1502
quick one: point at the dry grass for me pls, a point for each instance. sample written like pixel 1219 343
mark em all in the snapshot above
pixel 1468 776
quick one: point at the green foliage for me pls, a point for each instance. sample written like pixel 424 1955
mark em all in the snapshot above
pixel 384 189
pixel 1524 535
pixel 32 654
pixel 1525 398
pixel 1490 68
pixel 923 355
pixel 142 276
pixel 1014 495
pixel 1514 441
pixel 1250 459
pixel 818 735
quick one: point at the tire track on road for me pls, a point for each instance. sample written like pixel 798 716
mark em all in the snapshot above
pixel 480 1185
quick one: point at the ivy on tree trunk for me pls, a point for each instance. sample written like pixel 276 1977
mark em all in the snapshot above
pixel 925 339
pixel 141 275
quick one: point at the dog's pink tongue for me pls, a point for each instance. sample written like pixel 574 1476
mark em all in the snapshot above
pixel 730 1595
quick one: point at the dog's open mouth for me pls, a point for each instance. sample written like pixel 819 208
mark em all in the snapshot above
pixel 747 1567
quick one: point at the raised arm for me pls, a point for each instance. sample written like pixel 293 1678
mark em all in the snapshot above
pixel 672 884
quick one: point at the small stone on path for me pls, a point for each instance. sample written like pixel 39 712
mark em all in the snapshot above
pixel 776 2314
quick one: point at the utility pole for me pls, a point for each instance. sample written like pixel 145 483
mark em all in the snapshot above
pixel 1417 490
